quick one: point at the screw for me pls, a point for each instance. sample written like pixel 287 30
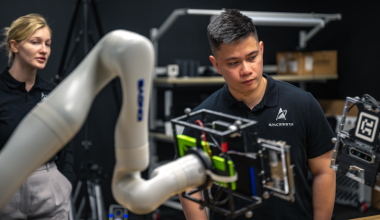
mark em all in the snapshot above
pixel 249 214
pixel 266 195
pixel 187 111
pixel 238 123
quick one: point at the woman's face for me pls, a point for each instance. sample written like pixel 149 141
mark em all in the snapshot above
pixel 35 51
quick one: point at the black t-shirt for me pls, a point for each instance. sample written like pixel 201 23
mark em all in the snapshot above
pixel 15 104
pixel 286 113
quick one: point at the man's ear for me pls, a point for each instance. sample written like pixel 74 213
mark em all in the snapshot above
pixel 261 47
pixel 14 46
pixel 215 63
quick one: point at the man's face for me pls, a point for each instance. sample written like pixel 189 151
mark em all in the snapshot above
pixel 241 65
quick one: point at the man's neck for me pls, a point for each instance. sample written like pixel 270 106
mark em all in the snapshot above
pixel 23 74
pixel 253 98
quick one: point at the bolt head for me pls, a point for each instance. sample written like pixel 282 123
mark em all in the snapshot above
pixel 249 214
pixel 266 195
pixel 238 123
pixel 187 111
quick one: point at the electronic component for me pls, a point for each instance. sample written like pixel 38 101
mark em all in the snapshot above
pixel 117 212
pixel 359 148
pixel 234 171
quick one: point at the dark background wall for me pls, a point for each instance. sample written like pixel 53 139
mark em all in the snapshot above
pixel 355 37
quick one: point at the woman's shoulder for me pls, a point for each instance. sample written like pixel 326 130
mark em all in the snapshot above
pixel 47 84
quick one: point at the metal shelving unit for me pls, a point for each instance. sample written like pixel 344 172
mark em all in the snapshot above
pixel 216 80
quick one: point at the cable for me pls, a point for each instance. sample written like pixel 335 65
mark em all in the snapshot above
pixel 215 142
pixel 204 138
pixel 351 107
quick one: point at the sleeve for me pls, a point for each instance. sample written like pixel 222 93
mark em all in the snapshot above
pixel 318 130
pixel 66 163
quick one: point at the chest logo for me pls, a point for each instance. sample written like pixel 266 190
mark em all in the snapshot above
pixel 43 96
pixel 281 114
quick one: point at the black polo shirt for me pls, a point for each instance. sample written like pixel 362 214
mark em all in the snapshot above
pixel 16 102
pixel 285 113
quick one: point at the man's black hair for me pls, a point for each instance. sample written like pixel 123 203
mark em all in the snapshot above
pixel 229 27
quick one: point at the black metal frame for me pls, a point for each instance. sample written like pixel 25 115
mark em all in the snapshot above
pixel 222 135
pixel 204 112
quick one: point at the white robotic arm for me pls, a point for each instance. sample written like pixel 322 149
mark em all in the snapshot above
pixel 50 125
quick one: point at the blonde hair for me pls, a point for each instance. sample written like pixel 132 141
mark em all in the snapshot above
pixel 21 29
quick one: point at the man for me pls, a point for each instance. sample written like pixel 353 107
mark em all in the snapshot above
pixel 284 112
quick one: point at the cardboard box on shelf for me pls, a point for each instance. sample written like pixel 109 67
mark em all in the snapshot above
pixel 294 63
pixel 376 197
pixel 335 107
pixel 325 62
pixel 307 63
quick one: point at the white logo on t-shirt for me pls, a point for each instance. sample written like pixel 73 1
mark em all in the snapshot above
pixel 281 114
pixel 43 96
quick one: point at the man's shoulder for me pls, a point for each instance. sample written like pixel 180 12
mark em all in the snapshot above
pixel 284 86
pixel 290 92
pixel 213 102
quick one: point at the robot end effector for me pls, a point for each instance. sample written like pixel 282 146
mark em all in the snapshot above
pixel 357 151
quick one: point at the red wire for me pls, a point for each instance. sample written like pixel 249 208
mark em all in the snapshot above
pixel 204 138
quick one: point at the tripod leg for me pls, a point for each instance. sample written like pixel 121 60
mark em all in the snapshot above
pixel 81 206
pixel 92 198
pixel 97 20
pixel 99 202
pixel 71 209
pixel 68 38
pixel 76 193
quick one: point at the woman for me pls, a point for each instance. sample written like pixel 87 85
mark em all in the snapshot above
pixel 45 194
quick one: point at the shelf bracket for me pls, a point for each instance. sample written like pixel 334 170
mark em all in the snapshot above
pixel 306 36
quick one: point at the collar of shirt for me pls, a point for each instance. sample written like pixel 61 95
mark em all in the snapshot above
pixel 270 98
pixel 11 82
